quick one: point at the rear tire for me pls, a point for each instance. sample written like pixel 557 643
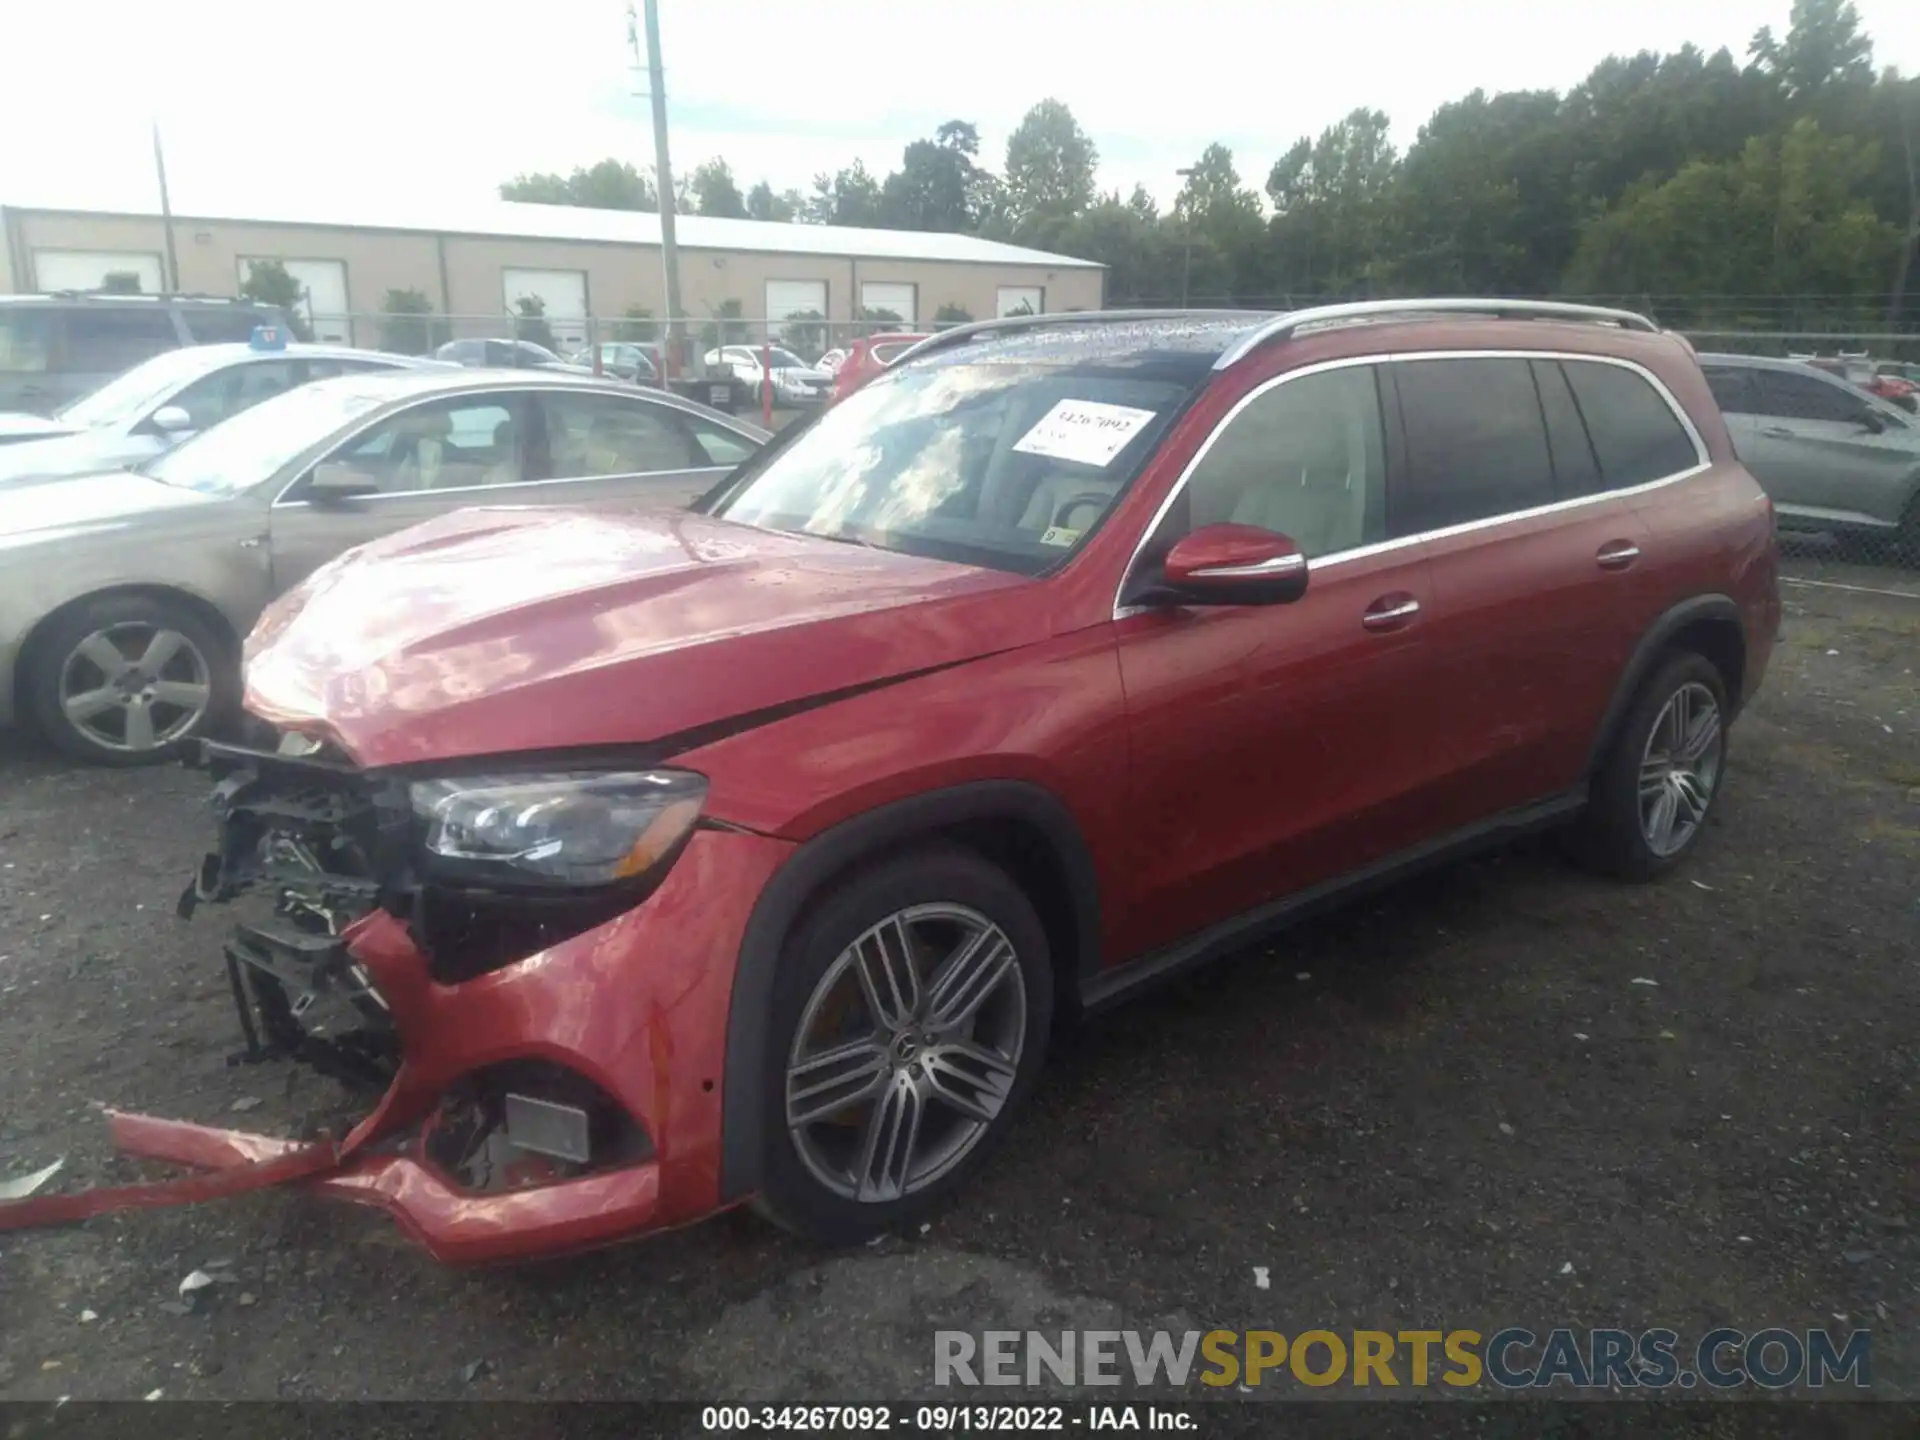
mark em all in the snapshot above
pixel 929 1047
pixel 1655 788
pixel 127 680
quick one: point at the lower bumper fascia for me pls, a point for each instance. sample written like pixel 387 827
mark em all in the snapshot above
pixel 455 1226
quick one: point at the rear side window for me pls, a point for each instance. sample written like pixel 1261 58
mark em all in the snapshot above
pixel 1802 397
pixel 1734 390
pixel 107 340
pixel 1635 433
pixel 1476 443
pixel 26 339
pixel 1575 471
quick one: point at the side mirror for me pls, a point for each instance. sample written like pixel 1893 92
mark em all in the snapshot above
pixel 172 419
pixel 1235 565
pixel 333 482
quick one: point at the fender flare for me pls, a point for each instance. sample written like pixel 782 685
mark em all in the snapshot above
pixel 1658 636
pixel 819 860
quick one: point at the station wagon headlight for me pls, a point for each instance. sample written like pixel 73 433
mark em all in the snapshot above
pixel 557 830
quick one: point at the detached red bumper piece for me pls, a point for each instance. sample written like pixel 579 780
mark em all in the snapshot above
pixel 545 1104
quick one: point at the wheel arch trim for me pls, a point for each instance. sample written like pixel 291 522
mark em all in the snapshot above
pixel 830 854
pixel 1658 638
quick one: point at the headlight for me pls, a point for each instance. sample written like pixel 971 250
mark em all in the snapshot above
pixel 557 830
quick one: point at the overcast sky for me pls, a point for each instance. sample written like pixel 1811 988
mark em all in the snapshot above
pixel 421 102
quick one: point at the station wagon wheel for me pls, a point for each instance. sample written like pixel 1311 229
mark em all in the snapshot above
pixel 125 680
pixel 909 1019
pixel 1680 768
pixel 906 1052
pixel 1656 783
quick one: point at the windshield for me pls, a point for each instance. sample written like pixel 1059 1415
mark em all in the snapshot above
pixel 127 396
pixel 239 453
pixel 539 354
pixel 1006 466
pixel 785 360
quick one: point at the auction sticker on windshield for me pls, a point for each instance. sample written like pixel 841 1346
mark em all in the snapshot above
pixel 1083 431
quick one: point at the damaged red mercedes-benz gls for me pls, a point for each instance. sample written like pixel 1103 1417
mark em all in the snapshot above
pixel 648 864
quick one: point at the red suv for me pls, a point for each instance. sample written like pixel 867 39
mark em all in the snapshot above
pixel 655 863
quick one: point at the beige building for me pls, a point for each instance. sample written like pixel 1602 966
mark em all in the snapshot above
pixel 476 266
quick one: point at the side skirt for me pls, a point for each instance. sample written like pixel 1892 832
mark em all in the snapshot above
pixel 1122 981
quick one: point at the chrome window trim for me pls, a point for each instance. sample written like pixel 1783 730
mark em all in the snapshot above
pixel 500 386
pixel 691 472
pixel 1702 463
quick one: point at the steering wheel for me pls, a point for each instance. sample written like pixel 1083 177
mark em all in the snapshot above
pixel 1096 498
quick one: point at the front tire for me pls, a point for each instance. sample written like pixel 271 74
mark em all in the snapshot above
pixel 127 680
pixel 910 1020
pixel 1649 801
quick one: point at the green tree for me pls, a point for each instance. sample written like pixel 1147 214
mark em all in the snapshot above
pixel 763 203
pixel 1332 196
pixel 1788 221
pixel 714 191
pixel 120 282
pixel 726 327
pixel 1142 257
pixel 530 322
pixel 952 314
pixel 804 333
pixel 410 327
pixel 938 185
pixel 636 324
pixel 1049 172
pixel 1219 222
pixel 849 197
pixel 1824 47
pixel 609 185
pixel 268 283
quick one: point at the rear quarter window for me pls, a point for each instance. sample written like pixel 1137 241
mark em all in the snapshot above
pixel 1636 436
pixel 1476 443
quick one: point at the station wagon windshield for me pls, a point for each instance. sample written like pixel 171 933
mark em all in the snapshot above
pixel 239 453
pixel 1002 465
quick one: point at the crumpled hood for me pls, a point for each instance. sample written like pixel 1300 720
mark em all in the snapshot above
pixel 493 631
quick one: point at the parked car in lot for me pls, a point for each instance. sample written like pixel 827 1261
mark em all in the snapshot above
pixel 124 595
pixel 795 383
pixel 747 854
pixel 507 355
pixel 1876 379
pixel 831 361
pixel 56 348
pixel 627 360
pixel 869 356
pixel 167 400
pixel 1833 458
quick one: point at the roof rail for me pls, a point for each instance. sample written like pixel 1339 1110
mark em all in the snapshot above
pixel 1282 327
pixel 960 333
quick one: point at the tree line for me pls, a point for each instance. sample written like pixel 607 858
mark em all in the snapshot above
pixel 1779 190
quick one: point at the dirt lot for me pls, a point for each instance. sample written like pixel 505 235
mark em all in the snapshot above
pixel 1417 1114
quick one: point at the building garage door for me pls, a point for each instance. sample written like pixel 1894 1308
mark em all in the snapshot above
pixel 885 295
pixel 563 297
pixel 1021 300
pixel 793 297
pixel 323 295
pixel 89 269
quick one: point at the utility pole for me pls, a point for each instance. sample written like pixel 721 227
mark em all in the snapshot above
pixel 663 179
pixel 166 212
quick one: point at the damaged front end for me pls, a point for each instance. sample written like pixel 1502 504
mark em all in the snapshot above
pixel 383 922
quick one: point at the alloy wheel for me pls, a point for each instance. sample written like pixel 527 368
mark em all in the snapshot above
pixel 1680 769
pixel 135 687
pixel 906 1052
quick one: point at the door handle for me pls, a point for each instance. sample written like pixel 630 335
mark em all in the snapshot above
pixel 1776 432
pixel 1389 612
pixel 1617 555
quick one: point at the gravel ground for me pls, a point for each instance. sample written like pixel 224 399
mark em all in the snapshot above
pixel 1459 1106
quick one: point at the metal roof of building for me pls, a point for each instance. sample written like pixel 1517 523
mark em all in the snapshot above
pixel 518 220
